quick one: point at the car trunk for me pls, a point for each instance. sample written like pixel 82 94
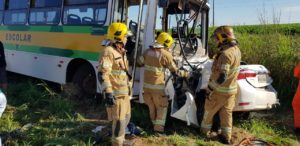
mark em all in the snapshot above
pixel 256 75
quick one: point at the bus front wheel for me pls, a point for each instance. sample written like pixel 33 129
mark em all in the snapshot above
pixel 84 80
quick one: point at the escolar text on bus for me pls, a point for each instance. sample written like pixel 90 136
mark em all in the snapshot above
pixel 18 37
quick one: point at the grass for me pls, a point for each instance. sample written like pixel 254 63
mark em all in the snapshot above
pixel 272 133
pixel 55 121
pixel 53 118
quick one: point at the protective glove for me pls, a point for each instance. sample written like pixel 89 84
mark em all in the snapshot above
pixel 183 73
pixel 110 100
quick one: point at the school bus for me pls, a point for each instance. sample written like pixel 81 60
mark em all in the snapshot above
pixel 56 40
pixel 60 40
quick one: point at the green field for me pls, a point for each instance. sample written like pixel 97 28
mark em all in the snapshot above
pixel 56 120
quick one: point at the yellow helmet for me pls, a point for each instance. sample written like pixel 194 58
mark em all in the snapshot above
pixel 224 34
pixel 117 32
pixel 164 40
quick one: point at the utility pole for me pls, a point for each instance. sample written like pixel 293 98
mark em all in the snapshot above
pixel 213 13
pixel 169 23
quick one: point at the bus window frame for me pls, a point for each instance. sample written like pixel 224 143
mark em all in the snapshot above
pixel 104 4
pixel 2 12
pixel 62 1
pixel 124 12
pixel 2 17
pixel 43 8
pixel 33 7
pixel 8 10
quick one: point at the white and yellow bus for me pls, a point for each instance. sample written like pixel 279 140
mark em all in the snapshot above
pixel 60 40
pixel 56 40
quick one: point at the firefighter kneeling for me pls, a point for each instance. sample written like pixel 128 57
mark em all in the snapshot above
pixel 156 60
pixel 222 86
pixel 113 70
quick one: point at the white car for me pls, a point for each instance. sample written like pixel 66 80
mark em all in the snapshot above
pixel 255 91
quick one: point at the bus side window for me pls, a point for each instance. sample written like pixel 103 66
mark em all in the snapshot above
pixel 45 12
pixel 16 12
pixel 85 12
pixel 1 10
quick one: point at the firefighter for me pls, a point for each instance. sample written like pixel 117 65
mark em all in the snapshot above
pixel 156 60
pixel 113 75
pixel 222 87
pixel 296 103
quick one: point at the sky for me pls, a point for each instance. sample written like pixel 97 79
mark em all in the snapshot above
pixel 248 12
pixel 240 12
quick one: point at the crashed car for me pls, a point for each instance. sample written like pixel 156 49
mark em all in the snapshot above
pixel 190 51
pixel 255 90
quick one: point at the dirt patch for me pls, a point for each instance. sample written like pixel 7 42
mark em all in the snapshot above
pixel 238 135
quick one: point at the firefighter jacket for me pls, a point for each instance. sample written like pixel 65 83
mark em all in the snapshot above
pixel 114 69
pixel 155 62
pixel 226 64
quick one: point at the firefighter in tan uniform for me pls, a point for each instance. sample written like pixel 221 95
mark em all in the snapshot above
pixel 156 60
pixel 112 74
pixel 222 86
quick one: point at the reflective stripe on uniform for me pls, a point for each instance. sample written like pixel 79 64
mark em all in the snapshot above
pixel 118 72
pixel 141 60
pixel 206 126
pixel 172 66
pixel 106 63
pixel 120 92
pixel 154 87
pixel 225 67
pixel 106 84
pixel 234 70
pixel 160 122
pixel 226 129
pixel 217 87
pixel 154 122
pixel 154 69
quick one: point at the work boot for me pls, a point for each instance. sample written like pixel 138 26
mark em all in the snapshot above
pixel 159 133
pixel 211 135
pixel 223 139
pixel 128 143
pixel 297 133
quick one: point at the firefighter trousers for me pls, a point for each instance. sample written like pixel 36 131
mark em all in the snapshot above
pixel 158 107
pixel 224 104
pixel 120 115
pixel 296 108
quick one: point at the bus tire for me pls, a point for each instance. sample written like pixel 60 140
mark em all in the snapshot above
pixel 84 80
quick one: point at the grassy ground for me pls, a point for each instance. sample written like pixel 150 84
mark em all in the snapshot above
pixel 54 120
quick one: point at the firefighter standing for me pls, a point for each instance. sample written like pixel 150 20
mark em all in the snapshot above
pixel 156 60
pixel 296 103
pixel 113 74
pixel 222 86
